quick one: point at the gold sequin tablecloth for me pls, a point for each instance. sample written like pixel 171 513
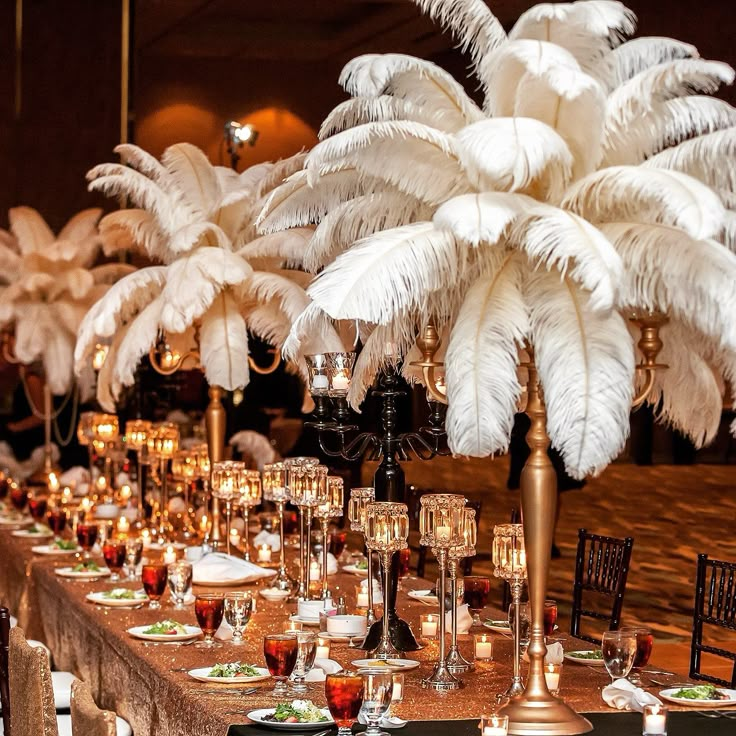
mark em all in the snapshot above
pixel 143 685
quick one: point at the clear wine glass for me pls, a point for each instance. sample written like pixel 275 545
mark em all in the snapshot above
pixel 238 610
pixel 304 661
pixel 644 644
pixel 378 688
pixel 133 554
pixel 619 651
pixel 180 582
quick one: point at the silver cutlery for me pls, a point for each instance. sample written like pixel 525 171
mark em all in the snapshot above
pixel 169 643
pixel 226 691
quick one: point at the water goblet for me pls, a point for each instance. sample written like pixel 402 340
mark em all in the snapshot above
pixel 209 609
pixel 307 642
pixel 550 617
pixel 133 554
pixel 18 497
pixel 238 610
pixel 179 575
pixel 344 695
pixel 56 518
pixel 114 553
pixel 644 643
pixel 476 592
pixel 619 652
pixel 281 652
pixel 86 537
pixel 154 583
pixel 37 506
pixel 378 686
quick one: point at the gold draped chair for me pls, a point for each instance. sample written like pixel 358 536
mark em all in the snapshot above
pixel 87 718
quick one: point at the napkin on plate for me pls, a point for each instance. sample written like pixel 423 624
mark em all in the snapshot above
pixel 264 537
pixel 74 476
pixel 464 619
pixel 555 654
pixel 322 668
pixel 622 695
pixel 221 568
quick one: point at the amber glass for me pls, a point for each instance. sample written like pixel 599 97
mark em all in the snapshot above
pixel 56 519
pixel 114 553
pixel 404 560
pixel 18 497
pixel 337 543
pixel 280 652
pixel 550 617
pixel 344 695
pixel 154 583
pixel 86 536
pixel 37 505
pixel 644 645
pixel 209 610
pixel 4 485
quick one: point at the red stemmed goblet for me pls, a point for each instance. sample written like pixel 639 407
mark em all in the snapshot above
pixel 38 505
pixel 18 497
pixel 209 609
pixel 476 591
pixel 56 518
pixel 86 537
pixel 550 617
pixel 344 695
pixel 154 583
pixel 114 553
pixel 280 651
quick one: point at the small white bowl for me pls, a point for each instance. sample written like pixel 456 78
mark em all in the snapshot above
pixel 348 625
pixel 311 609
pixel 274 594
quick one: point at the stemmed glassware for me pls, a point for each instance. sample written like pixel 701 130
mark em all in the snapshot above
pixel 163 442
pixel 442 527
pixel 209 608
pixel 476 593
pixel 86 537
pixel 619 652
pixel 226 482
pixel 274 490
pixel 378 688
pixel 238 610
pixel 18 496
pixel 359 498
pixel 304 661
pixel 154 583
pixel 37 505
pixel 281 652
pixel 56 518
pixel 179 576
pixel 644 643
pixel 386 532
pixel 331 509
pixel 250 494
pixel 113 550
pixel 184 470
pixel 133 554
pixel 344 695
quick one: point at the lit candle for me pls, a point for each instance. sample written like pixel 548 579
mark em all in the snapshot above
pixel 315 571
pixel 483 647
pixel 494 725
pixel 53 483
pixel 552 677
pixel 101 483
pixel 443 533
pixel 363 599
pixel 655 720
pixel 340 382
pixel 169 555
pixel 85 505
pixel 428 625
pixel 264 553
pixel 323 649
pixel 203 524
pixel 320 382
pixel 66 495
pixel 123 526
pixel 146 538
pixel 234 537
pixel 125 493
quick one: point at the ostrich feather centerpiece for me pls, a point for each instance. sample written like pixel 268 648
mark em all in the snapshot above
pixel 595 183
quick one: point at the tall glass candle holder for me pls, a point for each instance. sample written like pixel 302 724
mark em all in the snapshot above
pixel 455 661
pixel 163 443
pixel 331 509
pixel 105 432
pixel 386 532
pixel 250 494
pixel 442 527
pixel 204 475
pixel 85 437
pixel 308 488
pixel 184 469
pixel 509 561
pixel 275 490
pixel 226 483
pixel 359 498
pixel 136 438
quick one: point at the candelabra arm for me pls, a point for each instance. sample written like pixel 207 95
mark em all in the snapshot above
pixel 269 368
pixel 417 444
pixel 176 364
pixel 428 343
pixel 646 390
pixel 649 345
pixel 351 451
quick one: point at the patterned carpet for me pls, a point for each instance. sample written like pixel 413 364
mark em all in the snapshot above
pixel 673 512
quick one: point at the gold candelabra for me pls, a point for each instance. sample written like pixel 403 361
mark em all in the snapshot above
pixel 331 509
pixel 163 442
pixel 226 481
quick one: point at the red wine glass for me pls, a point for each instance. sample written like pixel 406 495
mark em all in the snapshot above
pixel 644 644
pixel 550 617
pixel 18 497
pixel 280 651
pixel 86 537
pixel 38 505
pixel 154 583
pixel 209 610
pixel 344 695
pixel 114 553
pixel 476 591
pixel 56 518
pixel 337 543
pixel 4 485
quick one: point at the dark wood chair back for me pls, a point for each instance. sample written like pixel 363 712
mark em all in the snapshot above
pixel 601 569
pixel 715 605
pixel 506 597
pixel 4 667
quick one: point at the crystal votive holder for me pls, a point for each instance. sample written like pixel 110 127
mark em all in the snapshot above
pixel 323 648
pixel 429 624
pixel 483 647
pixel 552 675
pixel 654 720
pixel 494 725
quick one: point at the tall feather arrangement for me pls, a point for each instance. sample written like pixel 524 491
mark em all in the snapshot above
pixel 48 283
pixel 213 278
pixel 595 181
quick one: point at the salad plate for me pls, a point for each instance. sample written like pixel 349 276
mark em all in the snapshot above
pixel 296 618
pixel 425 596
pixel 699 696
pixel 592 657
pixel 500 626
pixel 118 597
pixel 167 630
pixel 299 715
pixel 393 665
pixel 33 532
pixel 225 673
pixel 15 522
pixel 83 572
pixel 274 594
pixel 54 549
pixel 355 570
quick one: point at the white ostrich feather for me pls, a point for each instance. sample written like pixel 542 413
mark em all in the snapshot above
pixel 387 273
pixel 30 229
pixel 358 218
pixel 514 155
pixel 193 282
pixel 267 287
pixel 585 360
pixel 279 172
pixel 144 162
pixel 10 263
pixel 81 226
pixel 728 236
pixel 193 175
pixel 108 389
pixel 638 54
pixel 636 194
pixel 32 332
pixel 288 246
pixel 663 82
pixel 140 336
pixel 666 124
pixel 139 226
pixel 711 158
pixel 109 273
pixel 269 322
pixel 312 332
pixel 472 24
pixel 481 361
pixel 670 272
pixel 255 446
pixel 223 342
pixel 198 234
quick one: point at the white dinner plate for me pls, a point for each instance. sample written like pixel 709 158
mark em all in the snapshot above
pixel 191 633
pixel 573 657
pixel 201 674
pixel 339 637
pixel 229 582
pixel 12 522
pixel 668 694
pixel 499 626
pixel 52 549
pixel 257 716
pixel 296 618
pixel 99 598
pixel 27 534
pixel 355 570
pixel 392 665
pixel 425 596
pixel 68 572
pixel 274 595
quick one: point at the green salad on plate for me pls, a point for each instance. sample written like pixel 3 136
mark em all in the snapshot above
pixel 121 594
pixel 88 566
pixel 700 692
pixel 234 669
pixel 298 711
pixel 65 544
pixel 593 654
pixel 166 628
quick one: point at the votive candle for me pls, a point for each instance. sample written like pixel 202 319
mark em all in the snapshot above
pixel 428 623
pixel 169 555
pixel 264 553
pixel 655 720
pixel 234 537
pixel 146 538
pixel 323 649
pixel 483 647
pixel 494 725
pixel 552 673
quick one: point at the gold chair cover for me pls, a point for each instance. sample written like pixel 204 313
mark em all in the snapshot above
pixel 87 718
pixel 31 689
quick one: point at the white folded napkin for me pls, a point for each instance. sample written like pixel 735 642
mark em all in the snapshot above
pixel 331 564
pixel 377 593
pixel 322 668
pixel 264 537
pixel 555 653
pixel 385 722
pixel 622 695
pixel 74 476
pixel 464 619
pixel 221 567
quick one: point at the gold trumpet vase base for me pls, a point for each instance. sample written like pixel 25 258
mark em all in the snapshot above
pixel 544 717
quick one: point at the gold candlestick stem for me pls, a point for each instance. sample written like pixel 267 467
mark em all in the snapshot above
pixel 215 419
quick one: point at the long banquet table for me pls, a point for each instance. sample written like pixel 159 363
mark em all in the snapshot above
pixel 145 685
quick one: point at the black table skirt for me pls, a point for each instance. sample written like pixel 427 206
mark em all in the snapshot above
pixel 680 723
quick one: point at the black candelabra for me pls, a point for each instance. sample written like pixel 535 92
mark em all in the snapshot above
pixel 332 418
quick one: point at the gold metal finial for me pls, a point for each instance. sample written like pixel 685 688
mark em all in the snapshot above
pixel 650 345
pixel 429 343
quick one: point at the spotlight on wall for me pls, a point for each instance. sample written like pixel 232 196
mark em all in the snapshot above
pixel 236 135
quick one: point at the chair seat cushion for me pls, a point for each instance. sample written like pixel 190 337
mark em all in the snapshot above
pixel 62 682
pixel 65 726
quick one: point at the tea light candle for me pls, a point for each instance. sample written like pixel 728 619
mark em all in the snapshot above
pixel 428 625
pixel 169 555
pixel 552 674
pixel 85 505
pixel 363 599
pixel 101 483
pixel 323 649
pixel 234 537
pixel 655 720
pixel 320 382
pixel 125 493
pixel 264 553
pixel 483 647
pixel 123 525
pixel 494 725
pixel 315 571
pixel 340 382
pixel 66 494
pixel 53 483
pixel 146 538
pixel 397 693
pixel 443 533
